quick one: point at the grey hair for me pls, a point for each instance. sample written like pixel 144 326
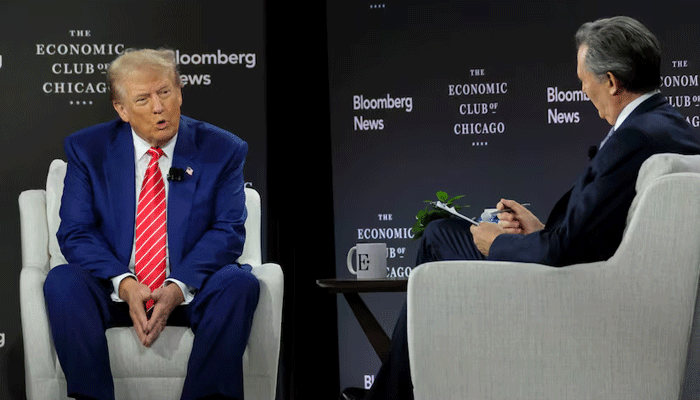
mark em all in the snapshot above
pixel 624 47
pixel 133 59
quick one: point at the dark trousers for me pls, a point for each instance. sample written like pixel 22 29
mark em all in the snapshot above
pixel 221 315
pixel 445 239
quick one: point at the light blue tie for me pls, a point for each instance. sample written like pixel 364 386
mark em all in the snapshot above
pixel 612 130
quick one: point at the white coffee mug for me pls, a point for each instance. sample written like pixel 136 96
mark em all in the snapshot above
pixel 370 259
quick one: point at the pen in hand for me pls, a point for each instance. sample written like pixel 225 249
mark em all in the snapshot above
pixel 508 209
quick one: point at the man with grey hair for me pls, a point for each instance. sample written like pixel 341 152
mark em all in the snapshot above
pixel 619 64
pixel 148 251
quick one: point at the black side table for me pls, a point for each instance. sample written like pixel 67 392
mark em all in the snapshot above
pixel 351 289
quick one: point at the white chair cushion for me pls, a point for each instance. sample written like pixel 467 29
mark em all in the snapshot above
pixel 54 191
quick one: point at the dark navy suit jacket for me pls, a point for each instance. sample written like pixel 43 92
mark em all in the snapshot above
pixel 587 223
pixel 206 210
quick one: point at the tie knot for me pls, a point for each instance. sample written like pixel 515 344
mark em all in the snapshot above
pixel 155 153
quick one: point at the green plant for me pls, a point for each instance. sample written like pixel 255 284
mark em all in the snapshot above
pixel 431 213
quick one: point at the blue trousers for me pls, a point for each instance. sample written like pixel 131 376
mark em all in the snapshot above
pixel 443 240
pixel 221 314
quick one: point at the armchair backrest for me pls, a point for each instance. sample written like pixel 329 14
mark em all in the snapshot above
pixel 659 165
pixel 640 222
pixel 252 249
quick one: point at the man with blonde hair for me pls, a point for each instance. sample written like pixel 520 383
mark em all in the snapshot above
pixel 148 251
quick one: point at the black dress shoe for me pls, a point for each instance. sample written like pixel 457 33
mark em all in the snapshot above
pixel 353 393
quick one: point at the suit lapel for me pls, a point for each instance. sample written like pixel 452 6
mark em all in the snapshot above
pixel 181 193
pixel 121 172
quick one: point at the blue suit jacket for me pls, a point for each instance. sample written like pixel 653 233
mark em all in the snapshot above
pixel 206 210
pixel 587 223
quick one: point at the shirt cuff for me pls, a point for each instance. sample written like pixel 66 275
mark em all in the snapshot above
pixel 187 291
pixel 116 281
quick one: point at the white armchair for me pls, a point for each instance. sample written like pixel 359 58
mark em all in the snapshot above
pixel 168 356
pixel 617 329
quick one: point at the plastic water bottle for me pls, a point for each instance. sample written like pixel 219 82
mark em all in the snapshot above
pixel 488 216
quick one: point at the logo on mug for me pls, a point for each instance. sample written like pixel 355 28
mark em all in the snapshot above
pixel 365 262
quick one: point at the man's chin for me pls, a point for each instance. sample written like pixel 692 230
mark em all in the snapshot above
pixel 162 137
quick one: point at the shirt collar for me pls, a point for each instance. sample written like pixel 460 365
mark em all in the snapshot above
pixel 631 107
pixel 141 146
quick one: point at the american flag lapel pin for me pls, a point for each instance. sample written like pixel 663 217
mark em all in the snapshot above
pixel 189 171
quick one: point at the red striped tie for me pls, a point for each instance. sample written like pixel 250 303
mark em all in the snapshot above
pixel 150 227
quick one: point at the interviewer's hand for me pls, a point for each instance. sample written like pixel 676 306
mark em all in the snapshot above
pixel 136 295
pixel 484 234
pixel 166 299
pixel 518 221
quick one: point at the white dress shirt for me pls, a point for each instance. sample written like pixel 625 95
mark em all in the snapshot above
pixel 631 106
pixel 626 112
pixel 142 158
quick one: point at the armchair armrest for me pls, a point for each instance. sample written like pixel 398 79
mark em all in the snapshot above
pixel 266 330
pixel 38 345
pixel 34 236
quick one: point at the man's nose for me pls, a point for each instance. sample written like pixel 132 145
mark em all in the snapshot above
pixel 157 105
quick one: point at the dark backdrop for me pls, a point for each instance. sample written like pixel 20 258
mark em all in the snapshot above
pixel 301 213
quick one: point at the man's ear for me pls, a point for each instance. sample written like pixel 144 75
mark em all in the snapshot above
pixel 121 110
pixel 178 89
pixel 614 84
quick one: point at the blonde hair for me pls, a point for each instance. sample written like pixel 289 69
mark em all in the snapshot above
pixel 135 59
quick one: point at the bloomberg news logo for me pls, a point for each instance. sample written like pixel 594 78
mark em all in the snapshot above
pixel 388 102
pixel 249 60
